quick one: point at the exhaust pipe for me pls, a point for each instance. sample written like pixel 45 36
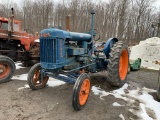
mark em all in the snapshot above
pixel 10 25
pixel 68 22
pixel 11 21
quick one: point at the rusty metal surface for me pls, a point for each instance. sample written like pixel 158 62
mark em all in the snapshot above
pixel 17 44
pixel 68 22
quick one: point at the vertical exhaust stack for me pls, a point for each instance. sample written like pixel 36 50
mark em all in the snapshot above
pixel 92 25
pixel 11 21
pixel 11 25
pixel 68 22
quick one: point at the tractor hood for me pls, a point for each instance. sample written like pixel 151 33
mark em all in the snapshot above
pixel 72 36
pixel 54 32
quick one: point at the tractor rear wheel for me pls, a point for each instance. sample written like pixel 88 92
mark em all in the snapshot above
pixel 7 68
pixel 81 91
pixel 34 78
pixel 118 64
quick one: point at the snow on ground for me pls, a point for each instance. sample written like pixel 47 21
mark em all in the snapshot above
pixel 102 93
pixel 18 65
pixel 26 86
pixel 117 104
pixel 54 82
pixel 122 117
pixel 20 77
pixel 148 107
pixel 51 82
pixel 146 102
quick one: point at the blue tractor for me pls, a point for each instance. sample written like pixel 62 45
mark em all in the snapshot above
pixel 69 56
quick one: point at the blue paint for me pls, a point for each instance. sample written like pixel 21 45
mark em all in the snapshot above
pixel 84 45
pixel 64 52
pixel 75 51
pixel 72 36
pixel 52 53
pixel 109 44
pixel 62 78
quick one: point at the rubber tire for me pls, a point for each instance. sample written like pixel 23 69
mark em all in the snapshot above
pixel 12 66
pixel 31 75
pixel 158 88
pixel 76 90
pixel 113 64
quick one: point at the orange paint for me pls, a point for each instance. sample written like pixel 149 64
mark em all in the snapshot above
pixel 36 78
pixel 24 38
pixel 84 92
pixel 123 64
pixel 6 70
pixel 45 35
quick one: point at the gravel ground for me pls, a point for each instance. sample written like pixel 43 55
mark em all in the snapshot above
pixel 55 103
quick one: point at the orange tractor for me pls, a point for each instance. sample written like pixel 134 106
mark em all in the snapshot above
pixel 15 45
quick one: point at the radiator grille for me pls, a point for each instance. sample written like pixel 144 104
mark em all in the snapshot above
pixel 48 50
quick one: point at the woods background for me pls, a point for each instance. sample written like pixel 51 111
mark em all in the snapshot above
pixel 129 20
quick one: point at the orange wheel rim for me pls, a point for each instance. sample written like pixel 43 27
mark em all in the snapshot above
pixel 123 64
pixel 84 92
pixel 4 70
pixel 36 78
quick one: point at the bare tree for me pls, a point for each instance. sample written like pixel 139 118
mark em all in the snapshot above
pixel 129 20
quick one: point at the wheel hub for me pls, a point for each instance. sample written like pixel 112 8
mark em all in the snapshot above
pixel 1 70
pixel 123 64
pixel 84 92
pixel 37 78
pixel 4 70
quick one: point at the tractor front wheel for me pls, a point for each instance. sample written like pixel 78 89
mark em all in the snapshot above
pixel 34 78
pixel 118 64
pixel 7 68
pixel 81 91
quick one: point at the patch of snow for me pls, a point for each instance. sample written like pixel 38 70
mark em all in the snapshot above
pixel 51 82
pixel 121 116
pixel 116 104
pixel 18 65
pixel 26 86
pixel 150 103
pixel 121 90
pixel 102 93
pixel 143 112
pixel 54 82
pixel 145 100
pixel 20 77
pixel 97 91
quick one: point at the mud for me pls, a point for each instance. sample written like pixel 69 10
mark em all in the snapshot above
pixel 55 103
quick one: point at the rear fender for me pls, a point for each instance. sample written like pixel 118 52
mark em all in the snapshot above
pixel 108 45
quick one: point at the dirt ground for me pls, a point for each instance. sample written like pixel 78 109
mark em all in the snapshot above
pixel 55 103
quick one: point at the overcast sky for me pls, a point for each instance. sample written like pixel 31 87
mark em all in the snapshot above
pixel 157 3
